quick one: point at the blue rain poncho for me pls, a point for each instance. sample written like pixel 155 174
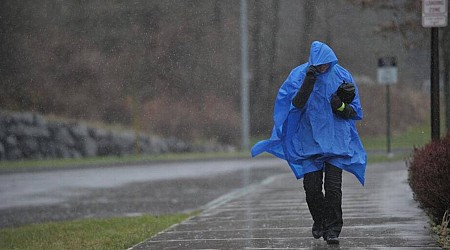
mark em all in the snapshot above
pixel 308 137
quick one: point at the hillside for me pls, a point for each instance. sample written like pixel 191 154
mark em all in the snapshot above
pixel 172 68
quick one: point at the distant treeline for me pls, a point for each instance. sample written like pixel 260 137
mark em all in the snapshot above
pixel 173 67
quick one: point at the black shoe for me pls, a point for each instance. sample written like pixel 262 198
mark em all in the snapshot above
pixel 317 231
pixel 332 240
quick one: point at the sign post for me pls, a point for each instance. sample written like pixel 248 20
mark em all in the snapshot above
pixel 387 75
pixel 434 15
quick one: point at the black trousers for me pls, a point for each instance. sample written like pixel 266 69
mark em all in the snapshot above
pixel 326 210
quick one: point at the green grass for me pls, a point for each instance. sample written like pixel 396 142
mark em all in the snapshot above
pixel 115 233
pixel 109 160
pixel 377 158
pixel 413 137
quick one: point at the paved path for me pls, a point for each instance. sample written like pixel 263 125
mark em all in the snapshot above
pixel 273 214
pixel 119 191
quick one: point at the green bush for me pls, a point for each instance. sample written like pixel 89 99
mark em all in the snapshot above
pixel 429 177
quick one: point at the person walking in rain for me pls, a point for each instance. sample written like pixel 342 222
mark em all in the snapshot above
pixel 314 131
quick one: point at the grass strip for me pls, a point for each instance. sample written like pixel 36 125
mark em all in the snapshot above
pixel 114 233
pixel 413 137
pixel 117 160
pixel 378 158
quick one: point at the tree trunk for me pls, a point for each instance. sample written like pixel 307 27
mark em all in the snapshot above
pixel 256 97
pixel 273 49
pixel 446 65
pixel 263 55
pixel 309 9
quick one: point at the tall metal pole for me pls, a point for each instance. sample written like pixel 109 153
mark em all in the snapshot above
pixel 434 86
pixel 245 116
pixel 447 95
pixel 388 121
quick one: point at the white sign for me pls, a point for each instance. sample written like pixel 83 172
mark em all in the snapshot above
pixel 387 70
pixel 434 13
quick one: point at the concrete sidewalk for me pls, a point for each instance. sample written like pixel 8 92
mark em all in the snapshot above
pixel 274 214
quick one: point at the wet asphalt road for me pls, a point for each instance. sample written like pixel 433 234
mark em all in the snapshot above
pixel 99 192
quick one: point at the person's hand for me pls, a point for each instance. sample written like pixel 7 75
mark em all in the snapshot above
pixel 312 71
pixel 346 92
pixel 336 103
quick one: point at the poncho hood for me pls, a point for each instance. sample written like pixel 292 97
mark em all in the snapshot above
pixel 321 53
pixel 307 138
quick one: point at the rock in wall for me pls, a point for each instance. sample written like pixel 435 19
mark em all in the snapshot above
pixel 30 136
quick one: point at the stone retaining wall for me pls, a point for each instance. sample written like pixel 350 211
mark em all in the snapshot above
pixel 30 136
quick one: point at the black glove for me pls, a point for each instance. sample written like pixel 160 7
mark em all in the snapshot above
pixel 340 108
pixel 336 102
pixel 312 71
pixel 305 90
pixel 346 92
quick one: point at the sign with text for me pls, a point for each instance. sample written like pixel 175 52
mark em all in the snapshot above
pixel 434 13
pixel 387 70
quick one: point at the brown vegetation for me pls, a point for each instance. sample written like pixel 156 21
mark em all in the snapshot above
pixel 409 107
pixel 172 67
pixel 429 177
